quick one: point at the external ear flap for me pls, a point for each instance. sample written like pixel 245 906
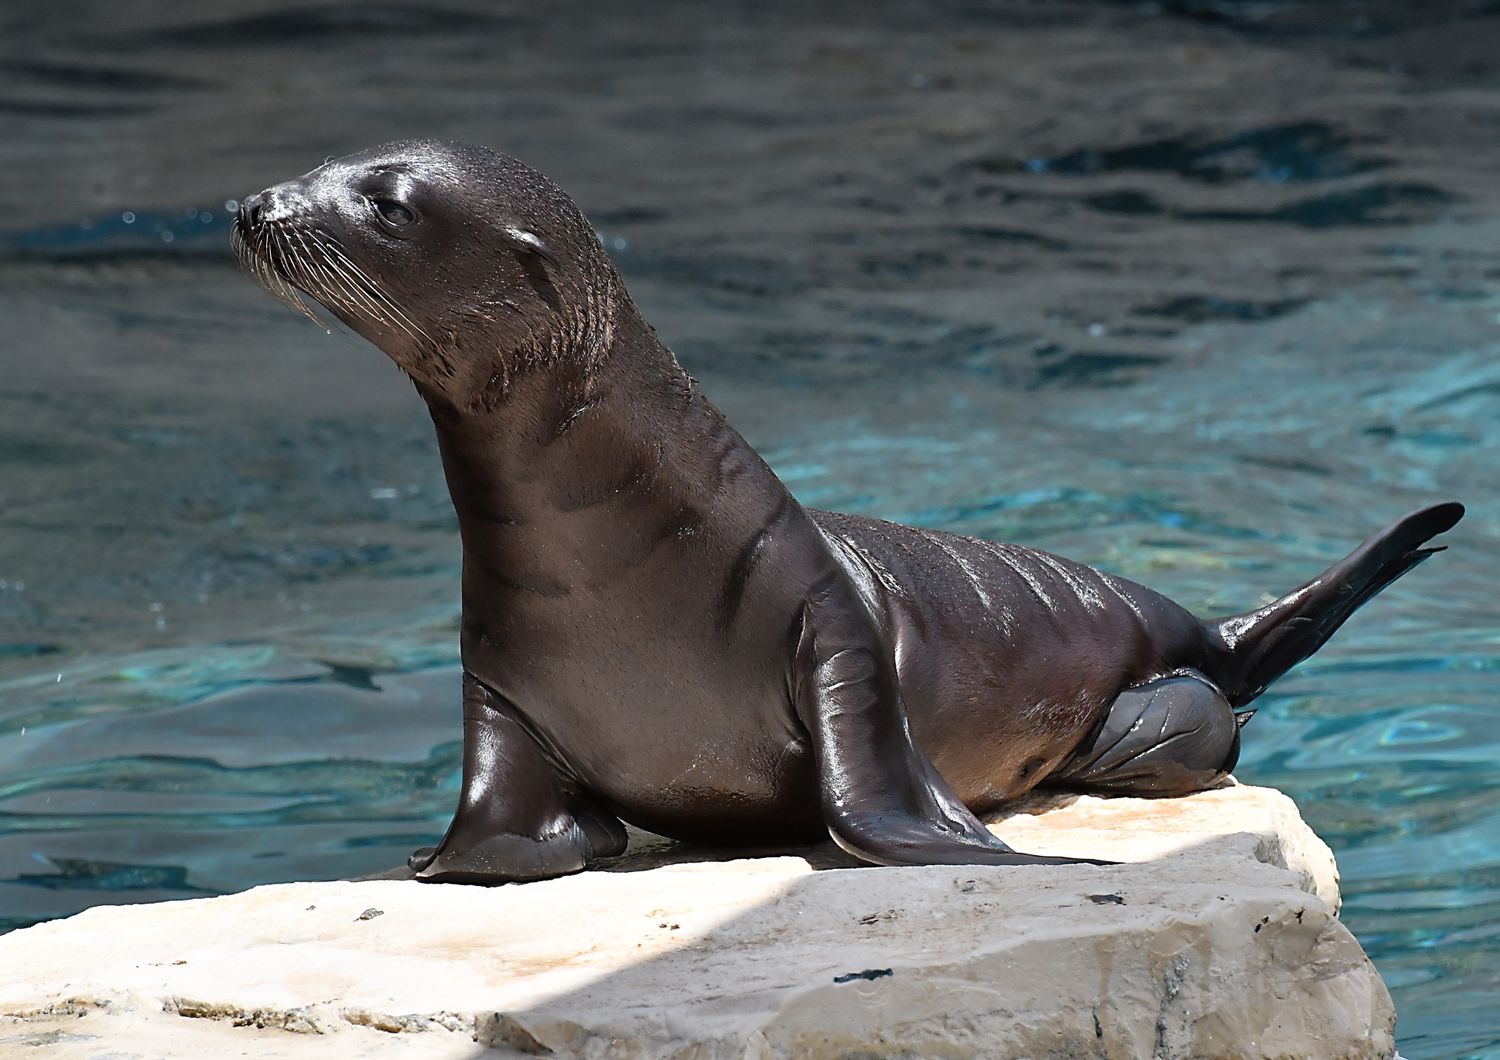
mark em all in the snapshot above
pixel 531 253
pixel 532 242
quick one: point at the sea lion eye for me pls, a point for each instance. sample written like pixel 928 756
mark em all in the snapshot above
pixel 393 213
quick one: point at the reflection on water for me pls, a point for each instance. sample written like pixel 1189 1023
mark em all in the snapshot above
pixel 1199 292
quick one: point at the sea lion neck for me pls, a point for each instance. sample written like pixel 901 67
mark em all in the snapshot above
pixel 554 480
pixel 632 386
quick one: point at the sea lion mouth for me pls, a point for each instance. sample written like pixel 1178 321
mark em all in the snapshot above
pixel 290 258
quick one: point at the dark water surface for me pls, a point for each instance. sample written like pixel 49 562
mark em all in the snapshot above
pixel 1198 292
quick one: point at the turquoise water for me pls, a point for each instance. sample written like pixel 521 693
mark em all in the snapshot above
pixel 1199 292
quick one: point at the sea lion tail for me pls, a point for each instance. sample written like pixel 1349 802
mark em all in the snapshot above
pixel 1251 650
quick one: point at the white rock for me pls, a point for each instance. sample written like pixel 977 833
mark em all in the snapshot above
pixel 1223 942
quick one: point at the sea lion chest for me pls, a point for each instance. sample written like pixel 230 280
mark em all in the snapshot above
pixel 636 600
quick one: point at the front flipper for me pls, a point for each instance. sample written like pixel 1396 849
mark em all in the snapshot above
pixel 515 819
pixel 883 801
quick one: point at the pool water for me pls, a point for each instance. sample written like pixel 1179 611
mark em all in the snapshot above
pixel 1199 292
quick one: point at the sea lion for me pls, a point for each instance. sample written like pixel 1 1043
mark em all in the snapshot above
pixel 655 631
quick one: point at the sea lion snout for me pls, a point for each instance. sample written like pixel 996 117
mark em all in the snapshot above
pixel 276 203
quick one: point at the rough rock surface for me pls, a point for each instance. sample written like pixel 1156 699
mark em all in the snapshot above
pixel 1220 941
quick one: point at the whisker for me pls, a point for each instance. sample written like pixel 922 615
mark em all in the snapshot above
pixel 282 255
pixel 282 270
pixel 356 295
pixel 306 261
pixel 390 309
pixel 289 259
pixel 335 248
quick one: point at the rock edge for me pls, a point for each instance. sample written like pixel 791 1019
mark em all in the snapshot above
pixel 1220 939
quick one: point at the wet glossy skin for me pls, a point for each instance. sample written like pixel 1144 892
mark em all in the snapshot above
pixel 654 630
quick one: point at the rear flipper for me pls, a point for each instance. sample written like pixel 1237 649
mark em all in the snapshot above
pixel 1249 651
pixel 1171 736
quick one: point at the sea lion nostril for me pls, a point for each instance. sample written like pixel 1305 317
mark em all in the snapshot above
pixel 251 208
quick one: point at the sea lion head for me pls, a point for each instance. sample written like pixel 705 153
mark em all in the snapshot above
pixel 465 266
